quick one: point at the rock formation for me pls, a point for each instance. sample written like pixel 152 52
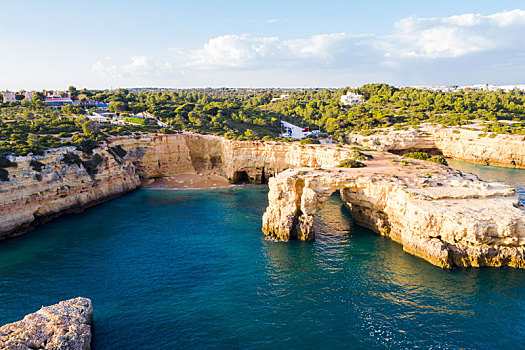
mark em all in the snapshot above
pixel 31 197
pixel 65 325
pixel 439 214
pixel 464 143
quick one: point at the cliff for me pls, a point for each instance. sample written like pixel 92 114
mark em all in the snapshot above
pixel 441 215
pixel 65 325
pixel 31 197
pixel 464 143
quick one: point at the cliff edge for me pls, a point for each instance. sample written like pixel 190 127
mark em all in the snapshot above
pixel 441 215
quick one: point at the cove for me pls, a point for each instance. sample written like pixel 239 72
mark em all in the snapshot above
pixel 191 269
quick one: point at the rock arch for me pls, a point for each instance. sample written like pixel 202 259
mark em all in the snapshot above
pixel 449 220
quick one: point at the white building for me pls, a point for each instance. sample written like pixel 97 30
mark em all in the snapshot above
pixel 282 97
pixel 9 97
pixel 351 99
pixel 28 95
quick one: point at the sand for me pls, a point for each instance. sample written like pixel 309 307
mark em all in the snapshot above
pixel 188 181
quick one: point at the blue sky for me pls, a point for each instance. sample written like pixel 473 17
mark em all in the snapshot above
pixel 103 44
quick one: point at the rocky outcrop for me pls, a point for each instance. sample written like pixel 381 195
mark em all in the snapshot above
pixel 31 197
pixel 464 143
pixel 66 325
pixel 441 215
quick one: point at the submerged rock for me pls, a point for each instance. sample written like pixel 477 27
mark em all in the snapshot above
pixel 66 325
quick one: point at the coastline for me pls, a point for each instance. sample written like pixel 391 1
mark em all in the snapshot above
pixel 188 181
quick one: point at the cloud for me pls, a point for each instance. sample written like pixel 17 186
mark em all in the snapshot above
pixel 416 47
pixel 246 51
pixel 139 66
pixel 455 36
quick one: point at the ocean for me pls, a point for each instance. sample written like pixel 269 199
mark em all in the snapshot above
pixel 191 269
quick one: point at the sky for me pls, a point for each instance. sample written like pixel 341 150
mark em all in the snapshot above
pixel 330 43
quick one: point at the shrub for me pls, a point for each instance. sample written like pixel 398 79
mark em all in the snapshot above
pixel 309 141
pixel 71 158
pixel 438 159
pixel 36 165
pixel 119 151
pixel 91 166
pixel 417 155
pixel 350 163
pixel 6 163
pixel 357 155
pixel 4 175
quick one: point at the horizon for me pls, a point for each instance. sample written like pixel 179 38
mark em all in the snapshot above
pixel 281 44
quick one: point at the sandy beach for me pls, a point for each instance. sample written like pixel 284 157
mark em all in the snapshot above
pixel 188 181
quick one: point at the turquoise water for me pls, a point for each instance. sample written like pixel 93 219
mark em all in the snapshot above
pixel 191 270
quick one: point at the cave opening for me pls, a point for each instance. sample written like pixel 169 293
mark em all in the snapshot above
pixel 240 177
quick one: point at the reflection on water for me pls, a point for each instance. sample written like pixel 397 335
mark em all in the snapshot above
pixel 191 270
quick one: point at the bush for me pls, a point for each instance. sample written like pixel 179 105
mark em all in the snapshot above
pixel 309 141
pixel 36 165
pixel 417 155
pixel 357 155
pixel 91 166
pixel 6 163
pixel 119 151
pixel 438 159
pixel 71 158
pixel 4 175
pixel 350 163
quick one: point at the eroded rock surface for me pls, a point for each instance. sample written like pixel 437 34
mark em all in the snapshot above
pixel 444 216
pixel 31 197
pixel 64 326
pixel 464 143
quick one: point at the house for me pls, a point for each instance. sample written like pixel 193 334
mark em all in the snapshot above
pixel 351 99
pixel 56 100
pixel 9 97
pixel 28 95
pixel 282 97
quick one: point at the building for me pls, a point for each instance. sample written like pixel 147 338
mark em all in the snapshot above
pixel 282 97
pixel 351 98
pixel 9 97
pixel 28 95
pixel 56 100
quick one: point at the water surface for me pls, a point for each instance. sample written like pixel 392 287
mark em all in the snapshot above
pixel 191 270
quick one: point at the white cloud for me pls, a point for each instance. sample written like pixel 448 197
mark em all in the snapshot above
pixel 416 48
pixel 454 36
pixel 245 51
pixel 140 66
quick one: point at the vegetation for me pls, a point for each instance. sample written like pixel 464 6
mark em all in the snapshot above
pixel 358 155
pixel 425 156
pixel 309 141
pixel 248 114
pixel 350 163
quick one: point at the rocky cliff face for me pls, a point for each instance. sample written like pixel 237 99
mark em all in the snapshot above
pixel 31 197
pixel 455 142
pixel 444 216
pixel 65 325
pixel 167 155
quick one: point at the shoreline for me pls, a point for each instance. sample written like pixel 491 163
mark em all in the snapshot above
pixel 189 181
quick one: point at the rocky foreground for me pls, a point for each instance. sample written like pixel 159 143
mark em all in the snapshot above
pixel 441 215
pixel 65 326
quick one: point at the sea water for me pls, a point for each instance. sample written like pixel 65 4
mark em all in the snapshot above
pixel 191 270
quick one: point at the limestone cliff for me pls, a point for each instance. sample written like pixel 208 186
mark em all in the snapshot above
pixel 32 196
pixel 444 216
pixel 464 143
pixel 65 325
